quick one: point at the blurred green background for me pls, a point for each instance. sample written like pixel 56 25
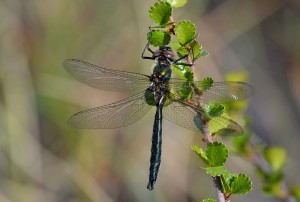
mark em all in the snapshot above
pixel 43 159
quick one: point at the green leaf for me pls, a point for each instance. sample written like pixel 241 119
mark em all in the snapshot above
pixel 159 38
pixel 175 45
pixel 206 83
pixel 189 75
pixel 176 3
pixel 241 184
pixel 216 153
pixel 240 143
pixel 161 12
pixel 227 179
pixel 185 32
pixel 183 71
pixel 150 100
pixel 214 110
pixel 276 157
pixel 195 51
pixel 219 126
pixel 181 50
pixel 179 70
pixel 216 170
pixel 225 185
pixel 209 200
pixel 185 91
pixel 200 153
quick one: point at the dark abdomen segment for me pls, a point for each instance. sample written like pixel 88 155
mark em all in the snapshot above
pixel 155 148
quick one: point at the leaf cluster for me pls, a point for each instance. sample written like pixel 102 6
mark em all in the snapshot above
pixel 184 31
pixel 214 158
pixel 181 36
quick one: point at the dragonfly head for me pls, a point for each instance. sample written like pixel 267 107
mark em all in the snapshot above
pixel 164 56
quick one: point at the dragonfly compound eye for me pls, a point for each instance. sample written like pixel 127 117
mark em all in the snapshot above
pixel 169 55
pixel 157 53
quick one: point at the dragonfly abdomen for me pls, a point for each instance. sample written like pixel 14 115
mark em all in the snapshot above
pixel 155 148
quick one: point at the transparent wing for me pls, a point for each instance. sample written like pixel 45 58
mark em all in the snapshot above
pixel 219 92
pixel 115 115
pixel 105 79
pixel 223 92
pixel 182 114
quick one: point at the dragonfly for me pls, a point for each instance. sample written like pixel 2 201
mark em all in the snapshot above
pixel 157 90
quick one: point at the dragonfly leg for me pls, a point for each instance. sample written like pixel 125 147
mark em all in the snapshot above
pixel 185 57
pixel 149 49
pixel 181 58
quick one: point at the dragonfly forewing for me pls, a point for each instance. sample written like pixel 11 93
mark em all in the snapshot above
pixel 106 79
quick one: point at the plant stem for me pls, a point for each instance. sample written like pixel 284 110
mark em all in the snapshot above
pixel 218 186
pixel 208 137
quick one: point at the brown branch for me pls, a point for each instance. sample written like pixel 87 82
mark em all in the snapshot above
pixel 208 137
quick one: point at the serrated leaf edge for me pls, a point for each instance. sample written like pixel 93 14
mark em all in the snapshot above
pixel 154 6
pixel 216 144
pixel 249 180
pixel 185 22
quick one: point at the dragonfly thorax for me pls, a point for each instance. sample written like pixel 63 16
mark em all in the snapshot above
pixel 161 72
pixel 159 84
